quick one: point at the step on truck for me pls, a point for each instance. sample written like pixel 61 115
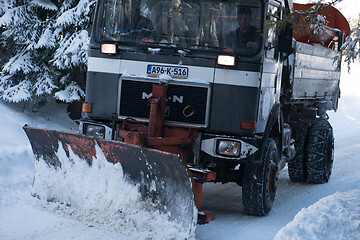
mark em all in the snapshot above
pixel 206 90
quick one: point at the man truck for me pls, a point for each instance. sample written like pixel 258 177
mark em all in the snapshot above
pixel 169 79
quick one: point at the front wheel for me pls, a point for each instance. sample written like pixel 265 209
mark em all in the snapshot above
pixel 260 181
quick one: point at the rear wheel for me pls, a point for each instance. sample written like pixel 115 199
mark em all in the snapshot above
pixel 297 165
pixel 260 181
pixel 320 152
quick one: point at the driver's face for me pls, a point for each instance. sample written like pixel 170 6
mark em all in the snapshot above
pixel 244 20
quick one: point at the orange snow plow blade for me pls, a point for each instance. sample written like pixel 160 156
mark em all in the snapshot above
pixel 159 177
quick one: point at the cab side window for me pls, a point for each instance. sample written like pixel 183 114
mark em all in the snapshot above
pixel 273 15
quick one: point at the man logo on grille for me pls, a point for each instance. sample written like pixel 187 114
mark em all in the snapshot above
pixel 146 96
pixel 174 98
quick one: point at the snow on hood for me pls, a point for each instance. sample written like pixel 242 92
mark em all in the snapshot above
pixel 163 78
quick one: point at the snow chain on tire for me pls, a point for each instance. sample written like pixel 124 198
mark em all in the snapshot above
pixel 319 152
pixel 259 182
pixel 297 166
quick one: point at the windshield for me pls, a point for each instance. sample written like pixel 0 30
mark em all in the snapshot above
pixel 231 26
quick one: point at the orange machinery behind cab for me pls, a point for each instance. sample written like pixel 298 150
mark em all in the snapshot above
pixel 335 21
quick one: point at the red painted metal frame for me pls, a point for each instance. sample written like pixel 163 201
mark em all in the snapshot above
pixel 200 176
pixel 169 138
pixel 157 111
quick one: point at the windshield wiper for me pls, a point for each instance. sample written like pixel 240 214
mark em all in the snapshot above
pixel 130 44
pixel 203 47
pixel 166 44
pixel 174 47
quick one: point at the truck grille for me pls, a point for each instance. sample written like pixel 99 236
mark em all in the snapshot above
pixel 185 103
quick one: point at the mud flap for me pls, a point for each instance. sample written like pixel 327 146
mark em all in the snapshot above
pixel 159 177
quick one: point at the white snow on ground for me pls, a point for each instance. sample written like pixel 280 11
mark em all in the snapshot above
pixel 300 211
pixel 337 216
pixel 334 217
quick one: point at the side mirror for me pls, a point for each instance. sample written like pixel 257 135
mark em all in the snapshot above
pixel 285 38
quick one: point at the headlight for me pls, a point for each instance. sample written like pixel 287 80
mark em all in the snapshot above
pixel 228 148
pixel 108 48
pixel 226 60
pixel 94 130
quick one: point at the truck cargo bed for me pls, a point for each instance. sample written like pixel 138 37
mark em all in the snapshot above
pixel 316 73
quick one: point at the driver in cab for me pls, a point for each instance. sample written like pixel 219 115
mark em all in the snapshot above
pixel 245 35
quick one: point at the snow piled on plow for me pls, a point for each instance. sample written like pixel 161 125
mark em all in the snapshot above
pixel 100 196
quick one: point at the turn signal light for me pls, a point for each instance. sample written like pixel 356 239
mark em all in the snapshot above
pixel 248 125
pixel 87 108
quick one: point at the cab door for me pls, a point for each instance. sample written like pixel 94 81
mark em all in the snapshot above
pixel 270 80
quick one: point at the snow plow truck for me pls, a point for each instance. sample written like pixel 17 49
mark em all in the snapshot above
pixel 183 92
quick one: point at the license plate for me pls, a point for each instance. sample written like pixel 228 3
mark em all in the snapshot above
pixel 174 72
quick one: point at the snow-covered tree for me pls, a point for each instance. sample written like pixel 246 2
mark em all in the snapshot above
pixel 351 47
pixel 47 45
pixel 71 54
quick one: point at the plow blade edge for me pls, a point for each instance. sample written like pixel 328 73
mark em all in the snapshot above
pixel 159 177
